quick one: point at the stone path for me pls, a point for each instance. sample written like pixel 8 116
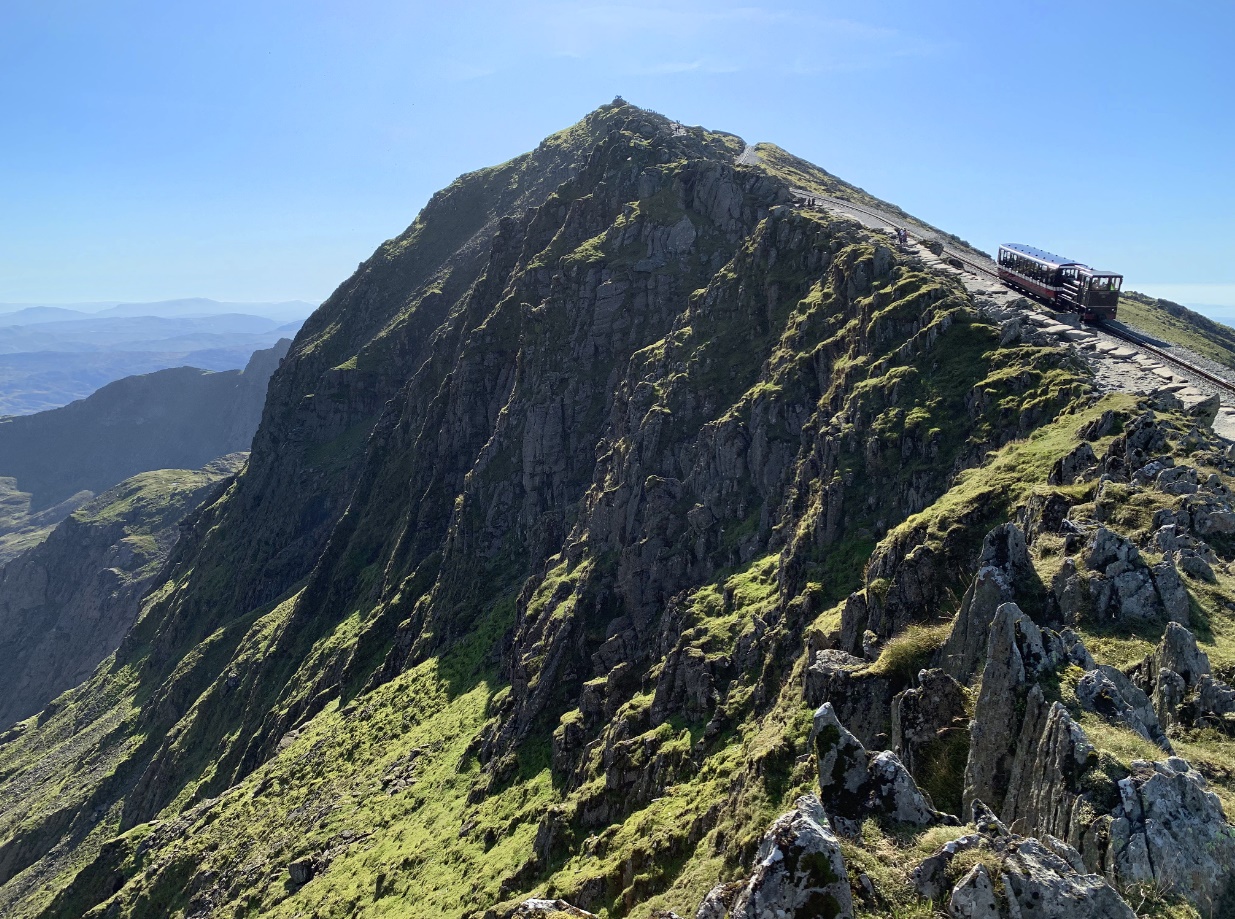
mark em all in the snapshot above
pixel 1117 365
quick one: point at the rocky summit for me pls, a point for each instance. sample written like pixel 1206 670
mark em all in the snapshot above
pixel 627 539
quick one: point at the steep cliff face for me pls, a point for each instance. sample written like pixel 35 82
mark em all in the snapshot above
pixel 66 604
pixel 565 512
pixel 53 462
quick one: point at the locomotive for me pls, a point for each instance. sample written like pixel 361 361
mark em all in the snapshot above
pixel 1062 283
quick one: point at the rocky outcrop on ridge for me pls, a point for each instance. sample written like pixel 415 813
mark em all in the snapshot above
pixel 799 871
pixel 1017 877
pixel 855 784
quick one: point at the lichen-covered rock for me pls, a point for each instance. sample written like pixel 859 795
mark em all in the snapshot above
pixel 1018 653
pixel 974 896
pixel 799 870
pixel 1020 877
pixel 854 784
pixel 1109 693
pixel 927 715
pixel 543 908
pixel 859 697
pixel 1038 880
pixel 1170 830
pixel 966 646
pixel 1123 587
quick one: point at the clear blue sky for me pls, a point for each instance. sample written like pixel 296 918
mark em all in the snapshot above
pixel 259 150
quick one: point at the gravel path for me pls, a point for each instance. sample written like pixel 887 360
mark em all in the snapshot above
pixel 1117 365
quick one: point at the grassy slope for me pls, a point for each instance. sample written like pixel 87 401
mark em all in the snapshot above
pixel 381 789
pixel 1178 325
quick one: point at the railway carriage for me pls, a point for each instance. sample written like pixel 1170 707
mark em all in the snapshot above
pixel 1062 283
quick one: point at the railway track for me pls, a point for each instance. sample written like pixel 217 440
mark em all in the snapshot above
pixel 1133 339
pixel 987 269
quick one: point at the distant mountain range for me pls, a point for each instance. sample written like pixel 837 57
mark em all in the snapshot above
pixel 187 308
pixel 51 355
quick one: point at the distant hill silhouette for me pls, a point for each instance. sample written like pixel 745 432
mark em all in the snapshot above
pixel 179 418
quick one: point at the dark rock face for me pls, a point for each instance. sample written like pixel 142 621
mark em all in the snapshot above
pixel 854 784
pixel 926 717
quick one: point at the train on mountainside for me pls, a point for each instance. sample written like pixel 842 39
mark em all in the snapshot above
pixel 1062 283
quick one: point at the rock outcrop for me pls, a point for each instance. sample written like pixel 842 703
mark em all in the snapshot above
pixel 854 784
pixel 1171 831
pixel 799 871
pixel 1012 717
pixel 928 716
pixel 1109 693
pixel 1018 876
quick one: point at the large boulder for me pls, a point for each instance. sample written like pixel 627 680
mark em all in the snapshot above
pixel 799 872
pixel 1123 587
pixel 1037 878
pixel 1018 877
pixel 855 784
pixel 1109 693
pixel 1171 831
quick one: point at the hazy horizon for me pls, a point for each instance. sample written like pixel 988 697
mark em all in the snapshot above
pixel 263 150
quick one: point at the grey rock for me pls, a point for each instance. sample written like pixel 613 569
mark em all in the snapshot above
pixel 799 870
pixel 930 878
pixel 1180 480
pixel 1109 693
pixel 1169 693
pixel 1035 877
pixel 1178 651
pixel 1022 748
pixel 1038 881
pixel 301 870
pixel 925 715
pixel 974 896
pixel 1196 566
pixel 842 764
pixel 1173 593
pixel 966 646
pixel 854 784
pixel 1069 591
pixel 1004 562
pixel 860 698
pixel 1173 832
pixel 1214 697
pixel 539 907
pixel 1073 466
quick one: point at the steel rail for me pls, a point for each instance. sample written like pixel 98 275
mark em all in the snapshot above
pixel 979 268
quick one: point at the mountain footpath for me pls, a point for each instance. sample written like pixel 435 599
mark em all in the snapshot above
pixel 624 540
